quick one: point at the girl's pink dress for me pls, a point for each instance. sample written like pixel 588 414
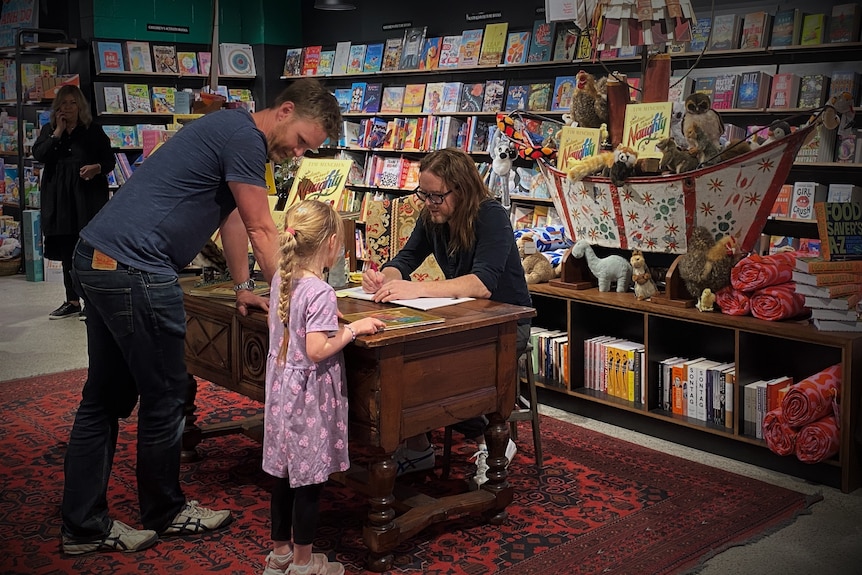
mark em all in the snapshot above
pixel 305 421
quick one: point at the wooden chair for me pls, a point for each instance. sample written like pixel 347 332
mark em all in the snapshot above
pixel 526 409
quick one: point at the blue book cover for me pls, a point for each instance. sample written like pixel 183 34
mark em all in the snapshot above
pixel 371 99
pixel 110 56
pixel 373 58
pixel 753 90
pixel 564 88
pixel 357 96
pixel 516 97
pixel 541 41
pixel 342 96
pixel 700 34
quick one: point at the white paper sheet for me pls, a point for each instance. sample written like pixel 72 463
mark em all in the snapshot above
pixel 423 303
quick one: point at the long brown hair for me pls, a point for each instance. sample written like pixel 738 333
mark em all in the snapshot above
pixel 308 225
pixel 459 173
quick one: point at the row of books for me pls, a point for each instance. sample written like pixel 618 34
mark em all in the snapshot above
pixel 422 134
pixel 698 388
pixel 796 201
pixel 139 57
pixel 615 366
pixel 759 398
pixel 534 216
pixel 787 27
pixel 449 97
pixel 39 80
pixel 417 50
pixel 145 99
pixel 550 356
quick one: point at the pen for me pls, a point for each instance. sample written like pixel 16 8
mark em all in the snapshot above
pixel 374 267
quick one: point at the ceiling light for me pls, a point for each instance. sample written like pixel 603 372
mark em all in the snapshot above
pixel 333 5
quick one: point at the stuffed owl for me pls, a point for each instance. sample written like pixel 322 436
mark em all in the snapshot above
pixel 699 113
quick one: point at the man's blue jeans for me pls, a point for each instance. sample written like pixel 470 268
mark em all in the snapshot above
pixel 136 335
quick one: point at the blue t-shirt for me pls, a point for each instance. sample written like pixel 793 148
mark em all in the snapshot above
pixel 164 214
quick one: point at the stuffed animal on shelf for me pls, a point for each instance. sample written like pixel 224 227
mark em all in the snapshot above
pixel 700 114
pixel 673 158
pixel 608 270
pixel 703 148
pixel 706 301
pixel 577 170
pixel 503 156
pixel 624 164
pixel 733 149
pixel 676 116
pixel 537 268
pixel 777 130
pixel 707 263
pixel 590 100
pixel 645 287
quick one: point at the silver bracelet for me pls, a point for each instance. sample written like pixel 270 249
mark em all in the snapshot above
pixel 352 333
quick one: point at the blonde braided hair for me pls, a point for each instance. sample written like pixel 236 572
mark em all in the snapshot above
pixel 308 225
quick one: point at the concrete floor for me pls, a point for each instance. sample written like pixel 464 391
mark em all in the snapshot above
pixel 829 540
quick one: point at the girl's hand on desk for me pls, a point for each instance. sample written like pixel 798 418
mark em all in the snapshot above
pixel 367 326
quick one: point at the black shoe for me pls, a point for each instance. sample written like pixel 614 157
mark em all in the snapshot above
pixel 65 310
pixel 82 315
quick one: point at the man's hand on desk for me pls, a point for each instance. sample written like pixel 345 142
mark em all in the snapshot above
pixel 399 289
pixel 246 299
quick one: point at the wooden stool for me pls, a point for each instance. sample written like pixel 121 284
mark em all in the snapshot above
pixel 526 409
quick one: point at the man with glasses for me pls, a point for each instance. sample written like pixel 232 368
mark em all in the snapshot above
pixel 471 237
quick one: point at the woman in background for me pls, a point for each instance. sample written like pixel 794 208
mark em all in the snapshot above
pixel 77 156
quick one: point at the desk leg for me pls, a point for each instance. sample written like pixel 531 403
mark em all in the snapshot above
pixel 497 438
pixel 192 433
pixel 381 534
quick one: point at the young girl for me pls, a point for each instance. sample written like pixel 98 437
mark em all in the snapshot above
pixel 305 422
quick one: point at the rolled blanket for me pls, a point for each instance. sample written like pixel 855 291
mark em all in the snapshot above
pixel 812 398
pixel 777 302
pixel 756 271
pixel 732 301
pixel 780 437
pixel 818 441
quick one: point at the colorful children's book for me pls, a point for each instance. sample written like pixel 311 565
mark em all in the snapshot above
pixel 679 88
pixel 343 97
pixel 429 59
pixel 391 54
pixel 327 57
pixel 517 46
pixel 396 317
pixel 357 96
pixel 356 58
pixel 392 100
pixel 645 125
pixel 188 63
pixel 109 57
pixel 724 91
pixel 451 97
pixel 472 96
pixel 541 41
pixel 342 58
pixel 414 97
pixel 787 27
pixel 785 91
pixel 844 22
pixel 204 62
pixel 516 97
pixel 812 29
pixel 540 96
pixel 433 98
pixel 371 98
pixel 700 35
pixel 495 91
pixel 138 56
pixel 114 100
pixel 577 143
pixel 725 32
pixel 373 58
pixel 311 60
pixel 450 48
pixel 319 179
pixel 755 30
pixel 493 43
pixel 292 62
pixel 471 45
pixel 163 99
pixel 844 81
pixel 411 48
pixel 566 35
pixel 564 88
pixel 138 99
pixel 165 59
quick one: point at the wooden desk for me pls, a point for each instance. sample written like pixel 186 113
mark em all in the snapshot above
pixel 400 383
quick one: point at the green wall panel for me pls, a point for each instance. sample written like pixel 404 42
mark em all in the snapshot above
pixel 260 22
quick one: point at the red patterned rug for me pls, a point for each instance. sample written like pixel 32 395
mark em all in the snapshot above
pixel 600 505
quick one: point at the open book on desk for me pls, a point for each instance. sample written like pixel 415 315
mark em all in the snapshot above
pixel 396 317
pixel 423 303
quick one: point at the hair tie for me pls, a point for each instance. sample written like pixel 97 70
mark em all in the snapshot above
pixel 290 230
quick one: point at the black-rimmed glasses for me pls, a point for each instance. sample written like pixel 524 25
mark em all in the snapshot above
pixel 435 199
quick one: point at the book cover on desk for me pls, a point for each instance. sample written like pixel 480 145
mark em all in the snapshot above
pixel 138 56
pixel 224 290
pixel 396 317
pixel 109 57
pixel 836 325
pixel 839 225
pixel 319 179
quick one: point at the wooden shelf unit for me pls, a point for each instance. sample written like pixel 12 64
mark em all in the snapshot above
pixel 760 349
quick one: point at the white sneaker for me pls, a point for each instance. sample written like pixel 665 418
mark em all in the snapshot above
pixel 410 461
pixel 481 457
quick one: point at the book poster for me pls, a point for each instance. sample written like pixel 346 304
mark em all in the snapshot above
pixel 319 179
pixel 839 225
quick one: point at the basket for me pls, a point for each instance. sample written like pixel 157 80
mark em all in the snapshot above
pixel 10 266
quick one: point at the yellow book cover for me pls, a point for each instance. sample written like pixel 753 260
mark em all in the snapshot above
pixel 493 43
pixel 396 317
pixel 812 29
pixel 577 143
pixel 319 179
pixel 414 96
pixel 645 125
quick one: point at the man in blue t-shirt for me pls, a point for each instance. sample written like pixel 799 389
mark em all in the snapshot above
pixel 469 233
pixel 210 175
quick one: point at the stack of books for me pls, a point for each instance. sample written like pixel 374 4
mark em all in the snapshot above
pixel 832 290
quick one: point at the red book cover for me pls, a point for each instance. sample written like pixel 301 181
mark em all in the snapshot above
pixel 785 91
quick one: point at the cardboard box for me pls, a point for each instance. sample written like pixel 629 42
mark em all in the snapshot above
pixel 32 245
pixel 53 271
